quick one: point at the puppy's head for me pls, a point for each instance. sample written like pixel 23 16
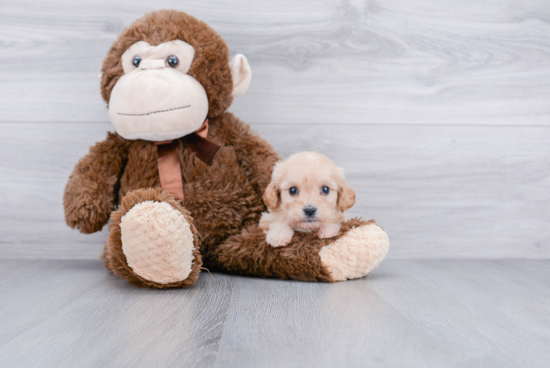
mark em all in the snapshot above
pixel 308 190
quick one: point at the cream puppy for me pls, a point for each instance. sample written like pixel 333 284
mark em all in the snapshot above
pixel 307 193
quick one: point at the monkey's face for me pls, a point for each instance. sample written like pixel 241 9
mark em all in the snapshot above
pixel 156 99
pixel 166 73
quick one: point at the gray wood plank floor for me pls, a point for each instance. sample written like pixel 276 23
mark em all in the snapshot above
pixel 435 313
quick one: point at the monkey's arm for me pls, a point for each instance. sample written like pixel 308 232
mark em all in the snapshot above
pixel 90 193
pixel 257 157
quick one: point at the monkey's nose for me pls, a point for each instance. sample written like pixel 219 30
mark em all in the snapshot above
pixel 152 64
pixel 310 211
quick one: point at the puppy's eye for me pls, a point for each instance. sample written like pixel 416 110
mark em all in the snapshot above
pixel 293 191
pixel 325 190
pixel 136 61
pixel 172 61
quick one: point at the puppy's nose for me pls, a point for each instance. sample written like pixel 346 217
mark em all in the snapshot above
pixel 310 211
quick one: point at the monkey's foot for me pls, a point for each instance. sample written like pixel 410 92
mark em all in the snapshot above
pixel 356 253
pixel 153 241
pixel 157 242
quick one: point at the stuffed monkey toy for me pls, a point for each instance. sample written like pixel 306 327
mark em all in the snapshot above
pixel 182 179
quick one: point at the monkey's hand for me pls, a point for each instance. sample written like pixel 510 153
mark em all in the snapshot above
pixel 90 194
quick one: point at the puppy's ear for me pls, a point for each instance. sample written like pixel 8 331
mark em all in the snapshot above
pixel 346 196
pixel 271 196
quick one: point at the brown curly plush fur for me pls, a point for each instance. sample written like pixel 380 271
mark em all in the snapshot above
pixel 248 254
pixel 222 202
pixel 91 193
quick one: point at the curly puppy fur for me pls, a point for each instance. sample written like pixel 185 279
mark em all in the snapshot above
pixel 307 173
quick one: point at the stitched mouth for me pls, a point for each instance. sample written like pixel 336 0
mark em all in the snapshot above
pixel 154 112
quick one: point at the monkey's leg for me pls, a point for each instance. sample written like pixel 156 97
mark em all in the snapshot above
pixel 152 241
pixel 355 251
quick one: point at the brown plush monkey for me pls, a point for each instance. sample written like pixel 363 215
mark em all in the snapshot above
pixel 182 179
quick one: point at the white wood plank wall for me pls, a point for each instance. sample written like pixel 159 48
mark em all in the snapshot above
pixel 438 111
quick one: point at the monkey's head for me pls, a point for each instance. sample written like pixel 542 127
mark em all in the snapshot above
pixel 166 74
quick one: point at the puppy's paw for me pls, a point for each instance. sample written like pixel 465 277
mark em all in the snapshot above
pixel 328 231
pixel 279 237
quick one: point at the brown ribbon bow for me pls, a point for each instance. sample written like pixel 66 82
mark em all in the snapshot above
pixel 168 158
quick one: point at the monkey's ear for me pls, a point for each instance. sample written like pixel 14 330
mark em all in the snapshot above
pixel 241 73
pixel 271 196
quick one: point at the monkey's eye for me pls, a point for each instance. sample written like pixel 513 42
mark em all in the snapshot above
pixel 293 191
pixel 172 61
pixel 325 190
pixel 136 61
